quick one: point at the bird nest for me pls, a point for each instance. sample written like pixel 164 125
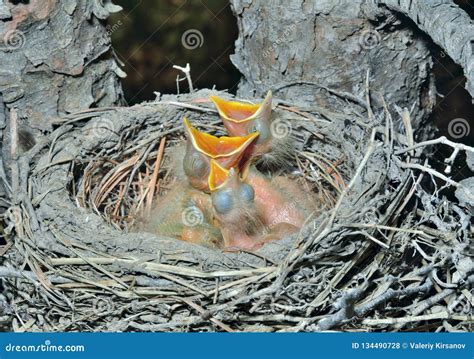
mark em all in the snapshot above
pixel 382 254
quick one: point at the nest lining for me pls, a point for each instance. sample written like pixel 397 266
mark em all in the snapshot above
pixel 71 232
pixel 125 189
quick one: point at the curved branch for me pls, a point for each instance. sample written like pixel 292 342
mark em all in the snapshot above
pixel 448 26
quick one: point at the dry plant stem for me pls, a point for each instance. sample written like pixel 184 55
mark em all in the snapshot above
pixel 121 195
pixel 109 184
pixel 154 177
pixel 373 239
pixel 428 170
pixel 409 319
pixel 187 72
pixel 389 228
pixel 367 97
pixel 191 107
pixel 405 114
pixel 161 267
pixel 440 140
pixel 205 314
pixel 14 155
pixel 368 153
pixel 3 177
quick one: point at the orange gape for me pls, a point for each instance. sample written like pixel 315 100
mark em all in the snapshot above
pixel 233 204
pixel 241 119
pixel 202 147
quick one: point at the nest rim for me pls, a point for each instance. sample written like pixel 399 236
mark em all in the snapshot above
pixel 175 272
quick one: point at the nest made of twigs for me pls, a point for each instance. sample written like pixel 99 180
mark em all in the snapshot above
pixel 381 256
pixel 124 188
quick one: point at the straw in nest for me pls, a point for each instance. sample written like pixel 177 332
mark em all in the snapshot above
pixel 385 255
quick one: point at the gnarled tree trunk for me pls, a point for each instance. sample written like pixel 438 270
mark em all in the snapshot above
pixel 299 48
pixel 54 59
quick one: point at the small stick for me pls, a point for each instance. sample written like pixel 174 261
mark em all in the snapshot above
pixel 187 72
pixel 388 228
pixel 154 177
pixel 158 267
pixel 409 319
pixel 205 313
pixel 367 97
pixel 187 105
pixel 372 238
pixel 449 161
pixel 142 190
pixel 408 129
pixel 14 153
pixel 119 201
pixel 407 123
pixel 443 140
pixel 430 171
pixel 368 153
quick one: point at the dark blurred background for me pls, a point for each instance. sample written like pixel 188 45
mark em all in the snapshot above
pixel 150 36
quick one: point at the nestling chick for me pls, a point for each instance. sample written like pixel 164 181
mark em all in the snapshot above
pixel 185 213
pixel 280 199
pixel 254 210
pixel 202 147
pixel 273 147
pixel 244 209
pixel 234 210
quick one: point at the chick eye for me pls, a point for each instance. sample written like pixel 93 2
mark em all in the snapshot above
pixel 222 201
pixel 262 128
pixel 246 193
pixel 194 165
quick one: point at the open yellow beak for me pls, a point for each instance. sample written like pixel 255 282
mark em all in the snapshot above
pixel 235 111
pixel 237 115
pixel 226 150
pixel 217 176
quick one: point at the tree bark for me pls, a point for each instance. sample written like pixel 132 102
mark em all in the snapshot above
pixel 55 59
pixel 447 25
pixel 299 48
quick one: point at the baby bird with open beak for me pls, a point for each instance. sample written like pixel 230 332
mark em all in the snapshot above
pixel 272 148
pixel 202 147
pixel 185 212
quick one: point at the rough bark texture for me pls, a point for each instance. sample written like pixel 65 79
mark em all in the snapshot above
pixel 55 59
pixel 287 45
pixel 447 25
